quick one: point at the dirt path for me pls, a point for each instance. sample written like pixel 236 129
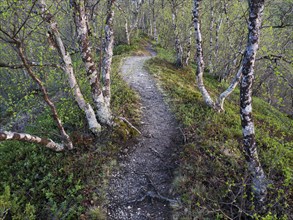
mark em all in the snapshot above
pixel 141 188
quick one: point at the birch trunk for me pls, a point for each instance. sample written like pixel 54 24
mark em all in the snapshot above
pixel 93 124
pixel 155 31
pixel 102 109
pixel 65 137
pixel 108 54
pixel 127 32
pixel 199 56
pixel 258 178
pixel 178 46
pixel 13 136
pixel 228 91
pixel 154 22
pixel 188 49
pixel 218 27
pixel 211 35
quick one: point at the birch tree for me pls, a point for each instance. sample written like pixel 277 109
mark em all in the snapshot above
pixel 199 56
pixel 219 103
pixel 55 36
pixel 258 178
pixel 103 111
pixel 8 135
pixel 108 53
pixel 64 135
pixel 178 46
pixel 246 71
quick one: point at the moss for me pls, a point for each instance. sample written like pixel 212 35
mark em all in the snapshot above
pixel 68 185
pixel 211 176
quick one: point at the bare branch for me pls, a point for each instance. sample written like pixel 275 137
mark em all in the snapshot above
pixel 35 64
pixel 26 19
pixel 274 58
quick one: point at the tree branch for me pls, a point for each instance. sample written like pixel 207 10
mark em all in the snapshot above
pixel 31 63
pixel 11 136
pixel 274 58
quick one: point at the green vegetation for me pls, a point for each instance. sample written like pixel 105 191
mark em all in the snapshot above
pixel 39 184
pixel 211 176
pixel 36 183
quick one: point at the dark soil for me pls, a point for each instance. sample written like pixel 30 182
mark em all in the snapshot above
pixel 141 189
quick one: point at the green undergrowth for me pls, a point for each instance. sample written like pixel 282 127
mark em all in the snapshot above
pixel 36 183
pixel 137 47
pixel 212 177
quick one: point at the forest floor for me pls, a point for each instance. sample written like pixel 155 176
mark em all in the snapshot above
pixel 141 188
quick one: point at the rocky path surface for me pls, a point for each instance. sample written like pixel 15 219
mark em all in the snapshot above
pixel 141 188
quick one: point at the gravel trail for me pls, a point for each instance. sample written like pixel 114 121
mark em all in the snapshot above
pixel 141 189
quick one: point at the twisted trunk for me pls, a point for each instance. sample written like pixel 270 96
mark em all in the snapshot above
pixel 228 91
pixel 94 126
pixel 102 109
pixel 64 135
pixel 13 136
pixel 258 178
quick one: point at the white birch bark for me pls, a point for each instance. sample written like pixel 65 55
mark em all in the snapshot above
pixel 93 124
pixel 108 54
pixel 103 111
pixel 199 56
pixel 13 136
pixel 258 178
pixel 127 32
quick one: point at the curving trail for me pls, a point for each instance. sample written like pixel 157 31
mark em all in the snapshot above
pixel 141 188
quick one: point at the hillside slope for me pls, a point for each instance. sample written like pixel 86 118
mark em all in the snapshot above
pixel 212 177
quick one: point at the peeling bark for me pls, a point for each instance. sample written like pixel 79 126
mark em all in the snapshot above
pixel 258 178
pixel 13 136
pixel 103 111
pixel 108 54
pixel 62 131
pixel 93 124
pixel 199 56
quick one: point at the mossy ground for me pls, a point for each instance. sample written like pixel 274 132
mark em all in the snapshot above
pixel 36 183
pixel 212 177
